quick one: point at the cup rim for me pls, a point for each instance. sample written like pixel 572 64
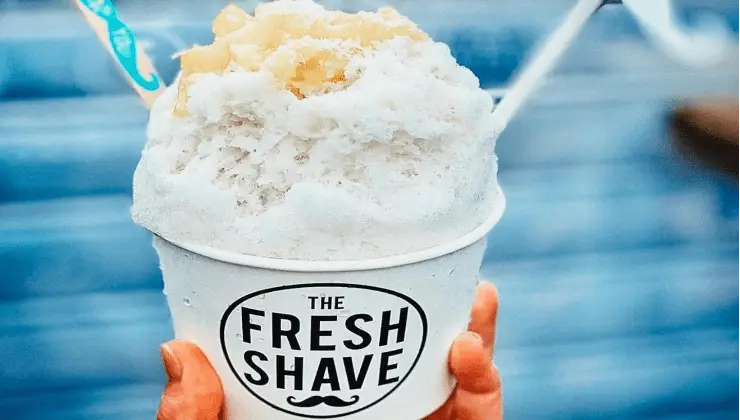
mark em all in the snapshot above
pixel 279 264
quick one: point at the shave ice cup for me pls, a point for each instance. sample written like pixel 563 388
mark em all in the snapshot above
pixel 355 340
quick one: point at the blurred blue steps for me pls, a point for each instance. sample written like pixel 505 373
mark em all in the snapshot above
pixel 616 259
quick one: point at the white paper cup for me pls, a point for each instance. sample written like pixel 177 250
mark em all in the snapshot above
pixel 357 340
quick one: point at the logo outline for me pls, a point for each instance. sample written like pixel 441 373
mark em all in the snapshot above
pixel 236 303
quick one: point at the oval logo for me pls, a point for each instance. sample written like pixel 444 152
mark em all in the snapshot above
pixel 323 350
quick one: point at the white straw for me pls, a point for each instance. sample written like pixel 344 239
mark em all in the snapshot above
pixel 542 63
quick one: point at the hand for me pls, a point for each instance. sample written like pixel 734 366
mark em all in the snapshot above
pixel 708 132
pixel 478 392
pixel 194 390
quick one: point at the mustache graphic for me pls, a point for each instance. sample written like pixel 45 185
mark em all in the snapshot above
pixel 329 400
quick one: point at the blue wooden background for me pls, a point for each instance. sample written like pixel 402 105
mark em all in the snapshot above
pixel 616 260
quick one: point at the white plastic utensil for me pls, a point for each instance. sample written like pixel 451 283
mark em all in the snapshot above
pixel 121 43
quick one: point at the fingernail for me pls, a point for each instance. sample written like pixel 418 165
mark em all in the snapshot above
pixel 474 336
pixel 172 365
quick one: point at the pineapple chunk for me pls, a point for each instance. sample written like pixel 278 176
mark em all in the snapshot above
pixel 307 50
pixel 181 108
pixel 209 59
pixel 389 13
pixel 249 57
pixel 229 20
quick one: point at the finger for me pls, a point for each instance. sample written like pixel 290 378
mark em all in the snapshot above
pixel 196 371
pixel 444 412
pixel 472 406
pixel 478 394
pixel 471 366
pixel 483 315
pixel 193 388
pixel 481 332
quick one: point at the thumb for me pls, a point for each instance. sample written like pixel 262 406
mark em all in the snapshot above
pixel 193 390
